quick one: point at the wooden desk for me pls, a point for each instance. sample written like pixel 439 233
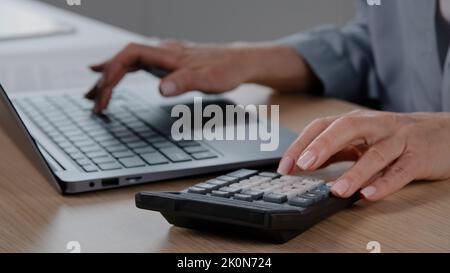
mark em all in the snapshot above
pixel 34 218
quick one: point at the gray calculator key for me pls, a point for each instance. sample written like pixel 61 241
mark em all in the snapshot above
pixel 221 194
pixel 90 168
pixel 229 179
pixel 123 154
pixel 197 190
pixel 144 150
pixel 231 190
pixel 244 173
pixel 254 194
pixel 155 158
pixel 269 174
pixel 175 154
pixel 204 155
pixel 275 198
pixel 207 187
pixel 110 166
pixel 132 162
pixel 300 202
pixel 219 183
pixel 312 196
pixel 195 149
pixel 243 197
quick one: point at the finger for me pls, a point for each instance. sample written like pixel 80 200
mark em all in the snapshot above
pixel 316 127
pixel 127 60
pixel 396 177
pixel 339 135
pixel 93 91
pixel 377 158
pixel 351 153
pixel 98 67
pixel 181 81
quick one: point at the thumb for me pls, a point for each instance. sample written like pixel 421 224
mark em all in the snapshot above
pixel 179 82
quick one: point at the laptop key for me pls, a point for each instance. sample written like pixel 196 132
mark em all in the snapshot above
pixel 155 158
pixel 110 166
pixel 144 150
pixel 175 154
pixel 164 144
pixel 101 160
pixel 118 148
pixel 96 154
pixel 132 162
pixel 123 154
pixel 195 149
pixel 204 155
pixel 138 144
pixel 83 162
pixel 90 168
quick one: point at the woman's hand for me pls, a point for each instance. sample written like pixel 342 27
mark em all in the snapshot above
pixel 207 68
pixel 390 150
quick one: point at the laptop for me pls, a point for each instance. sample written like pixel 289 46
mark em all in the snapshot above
pixel 130 144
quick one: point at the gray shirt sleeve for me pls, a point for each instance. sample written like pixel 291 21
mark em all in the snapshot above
pixel 341 57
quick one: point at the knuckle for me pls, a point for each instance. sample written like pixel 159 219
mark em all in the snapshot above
pixel 346 122
pixel 375 155
pixel 318 123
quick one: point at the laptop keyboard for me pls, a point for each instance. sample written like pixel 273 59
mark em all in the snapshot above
pixel 122 139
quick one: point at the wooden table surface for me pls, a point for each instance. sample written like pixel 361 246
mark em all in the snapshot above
pixel 35 218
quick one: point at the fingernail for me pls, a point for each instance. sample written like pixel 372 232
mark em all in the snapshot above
pixel 286 165
pixel 306 160
pixel 168 88
pixel 368 191
pixel 341 187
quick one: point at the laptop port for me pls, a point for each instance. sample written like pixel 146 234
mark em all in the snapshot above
pixel 134 179
pixel 110 182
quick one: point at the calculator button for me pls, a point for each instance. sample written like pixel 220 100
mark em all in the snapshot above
pixel 275 198
pixel 227 178
pixel 300 202
pixel 269 174
pixel 244 173
pixel 220 194
pixel 219 183
pixel 231 190
pixel 254 194
pixel 243 197
pixel 197 190
pixel 313 197
pixel 206 186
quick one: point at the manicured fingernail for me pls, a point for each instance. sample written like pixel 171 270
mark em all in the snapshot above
pixel 368 191
pixel 341 187
pixel 306 160
pixel 286 165
pixel 168 88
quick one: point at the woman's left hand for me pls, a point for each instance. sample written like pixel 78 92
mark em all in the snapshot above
pixel 390 150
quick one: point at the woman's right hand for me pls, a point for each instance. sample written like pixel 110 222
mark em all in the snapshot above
pixel 207 68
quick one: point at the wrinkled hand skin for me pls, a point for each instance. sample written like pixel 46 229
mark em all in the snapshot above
pixel 390 150
pixel 207 68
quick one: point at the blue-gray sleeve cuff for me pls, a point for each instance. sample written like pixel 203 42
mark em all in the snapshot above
pixel 327 60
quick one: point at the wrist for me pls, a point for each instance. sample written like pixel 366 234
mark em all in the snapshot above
pixel 277 66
